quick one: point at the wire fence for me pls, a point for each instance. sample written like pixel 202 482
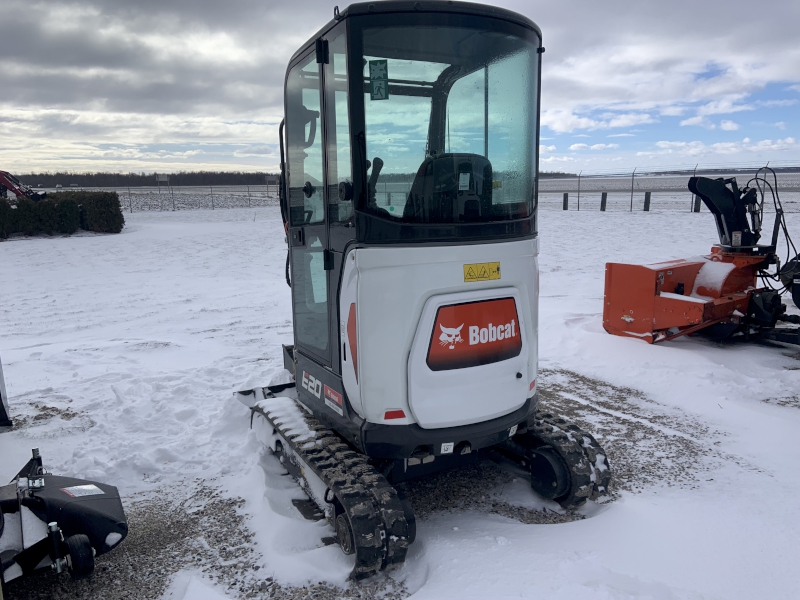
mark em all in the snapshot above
pixel 137 199
pixel 600 191
pixel 666 191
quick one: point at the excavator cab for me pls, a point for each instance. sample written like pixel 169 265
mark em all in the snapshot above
pixel 409 156
pixel 408 126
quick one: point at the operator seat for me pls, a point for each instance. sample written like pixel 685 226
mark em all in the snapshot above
pixel 451 188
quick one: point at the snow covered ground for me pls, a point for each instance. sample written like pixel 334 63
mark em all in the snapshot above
pixel 121 353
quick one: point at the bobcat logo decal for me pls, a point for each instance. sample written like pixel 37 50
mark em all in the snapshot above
pixel 450 336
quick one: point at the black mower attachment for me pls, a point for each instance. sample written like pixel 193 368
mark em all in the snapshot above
pixel 56 523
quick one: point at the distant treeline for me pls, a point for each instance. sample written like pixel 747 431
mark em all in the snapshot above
pixel 108 180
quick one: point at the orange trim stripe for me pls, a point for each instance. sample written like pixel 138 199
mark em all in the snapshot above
pixel 351 336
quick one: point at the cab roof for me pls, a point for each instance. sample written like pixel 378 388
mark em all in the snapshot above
pixel 420 6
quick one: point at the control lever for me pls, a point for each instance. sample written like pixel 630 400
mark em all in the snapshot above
pixel 377 165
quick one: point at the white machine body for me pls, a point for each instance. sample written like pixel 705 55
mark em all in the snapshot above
pixel 440 336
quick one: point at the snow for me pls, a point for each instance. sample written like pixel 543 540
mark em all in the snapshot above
pixel 122 354
pixel 681 297
pixel 192 586
pixel 711 276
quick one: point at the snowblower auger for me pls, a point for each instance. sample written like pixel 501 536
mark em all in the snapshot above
pixel 717 294
pixel 413 270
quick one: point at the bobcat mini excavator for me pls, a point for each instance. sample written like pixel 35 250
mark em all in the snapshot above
pixel 409 198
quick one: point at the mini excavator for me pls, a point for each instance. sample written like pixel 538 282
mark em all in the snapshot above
pixel 409 160
pixel 719 294
pixel 9 183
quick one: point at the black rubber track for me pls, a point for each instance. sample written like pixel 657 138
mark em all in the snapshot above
pixel 380 529
pixel 590 472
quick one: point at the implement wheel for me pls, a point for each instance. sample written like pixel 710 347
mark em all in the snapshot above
pixel 81 556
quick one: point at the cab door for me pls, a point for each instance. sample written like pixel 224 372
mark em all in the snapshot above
pixel 339 177
pixel 308 232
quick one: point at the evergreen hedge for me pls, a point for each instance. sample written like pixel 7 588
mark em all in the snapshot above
pixel 63 213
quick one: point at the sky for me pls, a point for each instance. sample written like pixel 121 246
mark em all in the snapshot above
pixel 171 85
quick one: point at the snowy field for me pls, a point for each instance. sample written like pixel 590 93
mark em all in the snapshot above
pixel 121 353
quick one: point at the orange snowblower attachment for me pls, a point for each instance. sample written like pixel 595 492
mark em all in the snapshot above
pixel 665 300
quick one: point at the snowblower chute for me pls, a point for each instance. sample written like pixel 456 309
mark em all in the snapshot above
pixel 718 293
pixel 413 267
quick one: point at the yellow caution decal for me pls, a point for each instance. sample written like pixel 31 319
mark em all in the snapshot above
pixel 481 272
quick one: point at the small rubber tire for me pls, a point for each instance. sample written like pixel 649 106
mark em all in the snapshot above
pixel 81 556
pixel 344 534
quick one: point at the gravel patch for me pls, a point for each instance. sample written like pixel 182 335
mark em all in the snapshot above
pixel 192 525
pixel 193 528
pixel 648 443
pixel 476 487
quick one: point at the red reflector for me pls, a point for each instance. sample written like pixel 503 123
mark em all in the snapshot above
pixel 394 414
pixel 533 385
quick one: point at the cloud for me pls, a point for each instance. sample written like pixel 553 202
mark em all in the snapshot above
pixel 780 125
pixel 564 121
pixel 83 74
pixel 723 107
pixel 746 147
pixel 621 135
pixel 672 111
pixel 728 125
pixel 775 103
pixel 593 147
pixel 545 149
pixel 699 121
pixel 554 159
pixel 262 150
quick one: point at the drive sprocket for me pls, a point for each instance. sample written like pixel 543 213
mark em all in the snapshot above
pixel 566 463
pixel 586 461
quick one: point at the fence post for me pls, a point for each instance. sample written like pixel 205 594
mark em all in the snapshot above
pixel 693 205
pixel 579 190
pixel 633 175
pixel 647 202
pixel 603 200
pixel 697 204
pixel 566 200
pixel 171 193
pixel 248 196
pixel 130 200
pixel 212 196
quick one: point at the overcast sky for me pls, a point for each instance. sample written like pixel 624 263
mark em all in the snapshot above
pixel 173 85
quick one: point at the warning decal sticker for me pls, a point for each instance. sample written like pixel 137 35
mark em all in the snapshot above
pixel 481 271
pixel 78 491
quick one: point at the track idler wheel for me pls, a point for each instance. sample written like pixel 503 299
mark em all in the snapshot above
pixel 344 534
pixel 566 463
